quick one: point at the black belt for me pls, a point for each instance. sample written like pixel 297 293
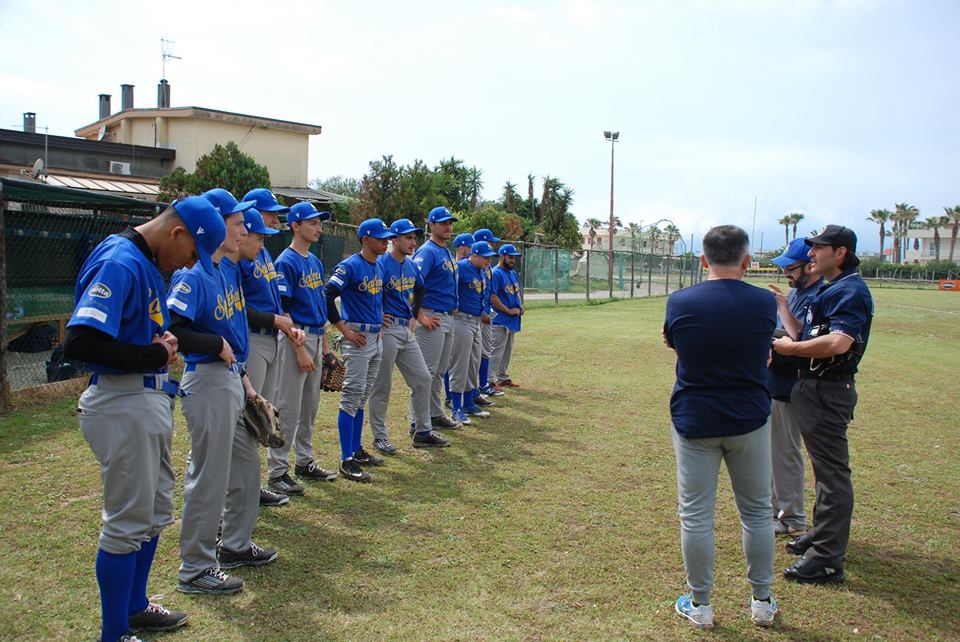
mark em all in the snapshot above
pixel 270 332
pixel 826 376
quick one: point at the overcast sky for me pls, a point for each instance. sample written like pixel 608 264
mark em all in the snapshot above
pixel 830 108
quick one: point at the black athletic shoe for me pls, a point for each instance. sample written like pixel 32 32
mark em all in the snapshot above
pixel 483 402
pixel 351 470
pixel 444 423
pixel 284 485
pixel 253 556
pixel 212 581
pixel 810 571
pixel 799 545
pixel 429 440
pixel 270 498
pixel 448 402
pixel 312 472
pixel 384 446
pixel 364 458
pixel 157 618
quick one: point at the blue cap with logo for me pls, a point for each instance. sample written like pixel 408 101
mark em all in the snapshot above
pixel 405 226
pixel 225 202
pixel 205 224
pixel 265 200
pixel 375 228
pixel 482 248
pixel 483 234
pixel 507 249
pixel 796 251
pixel 253 221
pixel 464 240
pixel 304 211
pixel 441 214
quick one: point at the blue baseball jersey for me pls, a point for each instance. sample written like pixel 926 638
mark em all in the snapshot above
pixel 506 286
pixel 469 287
pixel 300 278
pixel 360 284
pixel 843 305
pixel 439 272
pixel 399 282
pixel 214 304
pixel 260 281
pixel 487 291
pixel 120 293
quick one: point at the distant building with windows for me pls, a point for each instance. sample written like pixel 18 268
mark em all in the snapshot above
pixel 920 246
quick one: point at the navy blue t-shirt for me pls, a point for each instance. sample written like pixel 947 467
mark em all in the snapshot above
pixel 721 330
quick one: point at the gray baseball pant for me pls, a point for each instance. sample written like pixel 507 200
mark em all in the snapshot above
pixel 473 375
pixel 361 365
pixel 212 411
pixel 129 429
pixel 436 346
pixel 242 503
pixel 786 446
pixel 263 364
pixel 748 463
pixel 298 399
pixel 400 347
pixel 486 332
pixel 502 351
pixel 465 358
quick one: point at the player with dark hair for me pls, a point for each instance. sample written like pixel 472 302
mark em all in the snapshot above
pixel 505 299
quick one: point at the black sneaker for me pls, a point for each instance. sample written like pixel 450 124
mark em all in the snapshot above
pixel 811 571
pixel 483 402
pixel 444 423
pixel 157 618
pixel 799 545
pixel 313 472
pixel 448 402
pixel 351 470
pixel 384 446
pixel 253 556
pixel 284 485
pixel 364 458
pixel 270 498
pixel 430 440
pixel 212 581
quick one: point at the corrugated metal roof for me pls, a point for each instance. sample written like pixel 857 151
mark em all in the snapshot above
pixel 308 194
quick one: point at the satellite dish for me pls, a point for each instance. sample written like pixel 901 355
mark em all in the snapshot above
pixel 103 132
pixel 38 169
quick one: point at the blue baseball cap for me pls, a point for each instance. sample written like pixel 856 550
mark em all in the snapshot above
pixel 482 248
pixel 405 226
pixel 441 214
pixel 508 250
pixel 464 240
pixel 206 226
pixel 796 251
pixel 265 200
pixel 304 211
pixel 375 228
pixel 483 234
pixel 225 202
pixel 253 221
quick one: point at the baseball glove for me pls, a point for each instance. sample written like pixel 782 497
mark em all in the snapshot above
pixel 262 419
pixel 331 376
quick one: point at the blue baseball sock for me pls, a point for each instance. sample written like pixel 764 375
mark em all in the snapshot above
pixel 345 428
pixel 115 577
pixel 446 384
pixel 457 401
pixel 484 372
pixel 357 430
pixel 468 398
pixel 138 594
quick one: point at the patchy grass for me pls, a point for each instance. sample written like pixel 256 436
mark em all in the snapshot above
pixel 554 519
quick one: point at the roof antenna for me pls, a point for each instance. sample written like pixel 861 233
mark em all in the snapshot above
pixel 166 53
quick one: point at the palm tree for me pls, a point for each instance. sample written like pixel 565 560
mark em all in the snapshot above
pixel 634 235
pixel 474 183
pixel 672 233
pixel 904 215
pixel 795 218
pixel 510 197
pixel 655 234
pixel 594 224
pixel 881 217
pixel 935 223
pixel 533 206
pixel 953 213
pixel 785 222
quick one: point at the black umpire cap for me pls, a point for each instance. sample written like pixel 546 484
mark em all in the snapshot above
pixel 837 236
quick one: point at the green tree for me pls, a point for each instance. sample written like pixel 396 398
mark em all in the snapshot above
pixel 881 218
pixel 225 166
pixel 531 202
pixel 953 213
pixel 935 223
pixel 473 185
pixel 785 222
pixel 795 218
pixel 337 185
pixel 594 224
pixel 489 216
pixel 510 197
pixel 379 192
pixel 418 193
pixel 904 215
pixel 177 185
pixel 672 234
pixel 635 235
pixel 452 183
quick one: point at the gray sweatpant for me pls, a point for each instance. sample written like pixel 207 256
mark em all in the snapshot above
pixel 212 411
pixel 361 365
pixel 465 358
pixel 400 347
pixel 748 463
pixel 263 365
pixel 129 429
pixel 786 446
pixel 436 346
pixel 501 353
pixel 298 398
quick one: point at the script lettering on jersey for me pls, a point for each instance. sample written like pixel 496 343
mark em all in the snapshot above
pixel 228 305
pixel 401 284
pixel 312 280
pixel 264 271
pixel 156 315
pixel 371 286
pixel 476 285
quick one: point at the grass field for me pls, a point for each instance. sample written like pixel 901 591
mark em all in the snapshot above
pixel 555 519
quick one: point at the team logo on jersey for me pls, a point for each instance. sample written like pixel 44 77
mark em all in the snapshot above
pixel 100 291
pixel 312 280
pixel 156 314
pixel 264 270
pixel 228 304
pixel 449 266
pixel 183 287
pixel 510 288
pixel 371 286
pixel 401 284
pixel 476 285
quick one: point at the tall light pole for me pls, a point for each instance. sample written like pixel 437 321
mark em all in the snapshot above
pixel 612 137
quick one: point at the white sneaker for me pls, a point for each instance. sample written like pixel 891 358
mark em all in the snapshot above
pixel 762 613
pixel 700 616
